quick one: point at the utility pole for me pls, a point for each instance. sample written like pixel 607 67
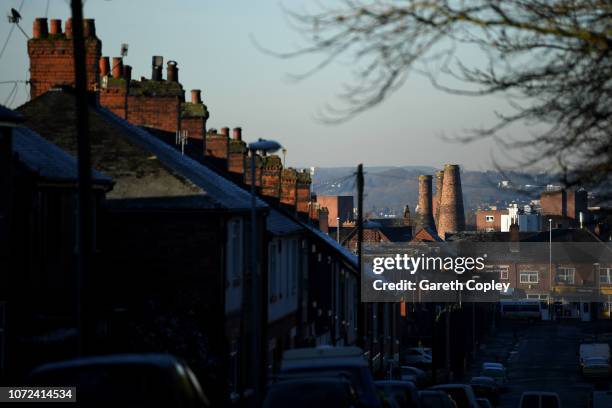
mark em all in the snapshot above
pixel 85 200
pixel 361 308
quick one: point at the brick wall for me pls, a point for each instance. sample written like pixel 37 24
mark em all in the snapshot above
pixel 271 177
pixel 52 56
pixel 288 193
pixel 237 157
pixel 481 220
pixel 303 191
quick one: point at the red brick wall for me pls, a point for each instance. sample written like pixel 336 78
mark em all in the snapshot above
pixel 237 157
pixel 289 187
pixel 553 203
pixel 115 100
pixel 271 177
pixel 195 127
pixel 483 225
pixel 303 192
pixel 159 112
pixel 52 63
pixel 217 145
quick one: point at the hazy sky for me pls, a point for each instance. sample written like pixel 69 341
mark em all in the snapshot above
pixel 211 41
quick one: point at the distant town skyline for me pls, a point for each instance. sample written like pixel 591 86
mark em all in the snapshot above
pixel 212 43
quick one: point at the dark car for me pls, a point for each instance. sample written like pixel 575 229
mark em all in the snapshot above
pixel 462 394
pixel 485 387
pixel 311 392
pixel 405 393
pixel 125 380
pixel 436 399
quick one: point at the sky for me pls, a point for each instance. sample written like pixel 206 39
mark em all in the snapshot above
pixel 212 41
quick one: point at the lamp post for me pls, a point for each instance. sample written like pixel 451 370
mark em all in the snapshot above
pixel 265 146
pixel 550 287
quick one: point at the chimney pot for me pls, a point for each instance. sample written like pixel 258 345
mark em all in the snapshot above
pixel 104 65
pixel 196 96
pixel 237 133
pixel 117 67
pixel 172 71
pixel 55 26
pixel 156 65
pixel 89 28
pixel 224 131
pixel 68 28
pixel 127 73
pixel 40 28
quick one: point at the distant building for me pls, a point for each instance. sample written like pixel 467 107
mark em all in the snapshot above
pixel 490 220
pixel 339 207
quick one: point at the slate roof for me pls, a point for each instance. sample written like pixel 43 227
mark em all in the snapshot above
pixel 217 187
pixel 279 224
pixel 46 159
pixel 141 165
pixel 9 117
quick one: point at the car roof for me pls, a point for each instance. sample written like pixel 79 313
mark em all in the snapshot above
pixel 546 393
pixel 395 382
pixel 150 359
pixel 482 378
pixel 445 386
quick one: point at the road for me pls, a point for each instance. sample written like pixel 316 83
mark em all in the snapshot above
pixel 542 356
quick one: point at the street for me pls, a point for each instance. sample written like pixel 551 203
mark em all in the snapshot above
pixel 541 357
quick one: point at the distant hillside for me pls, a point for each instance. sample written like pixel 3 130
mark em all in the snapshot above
pixel 389 189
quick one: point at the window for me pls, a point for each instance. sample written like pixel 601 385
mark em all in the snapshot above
pixel 272 270
pixel 489 218
pixel 566 275
pixel 528 277
pixel 234 250
pixel 503 273
pixel 605 275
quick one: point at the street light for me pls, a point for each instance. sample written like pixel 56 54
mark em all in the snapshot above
pixel 264 146
pixel 550 287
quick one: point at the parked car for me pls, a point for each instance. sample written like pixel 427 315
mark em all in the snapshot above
pixel 311 392
pixel 595 367
pixel 484 403
pixel 405 393
pixel 417 356
pixel 485 387
pixel 490 364
pixel 462 394
pixel 125 380
pixel 497 374
pixel 540 399
pixel 413 374
pixel 334 362
pixel 600 399
pixel 436 399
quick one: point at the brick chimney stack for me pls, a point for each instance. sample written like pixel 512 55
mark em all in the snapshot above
pixel 237 154
pixel 271 176
pixel 304 182
pixel 51 56
pixel 406 216
pixel 424 216
pixel 452 216
pixel 323 220
pixel 288 196
pixel 437 196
